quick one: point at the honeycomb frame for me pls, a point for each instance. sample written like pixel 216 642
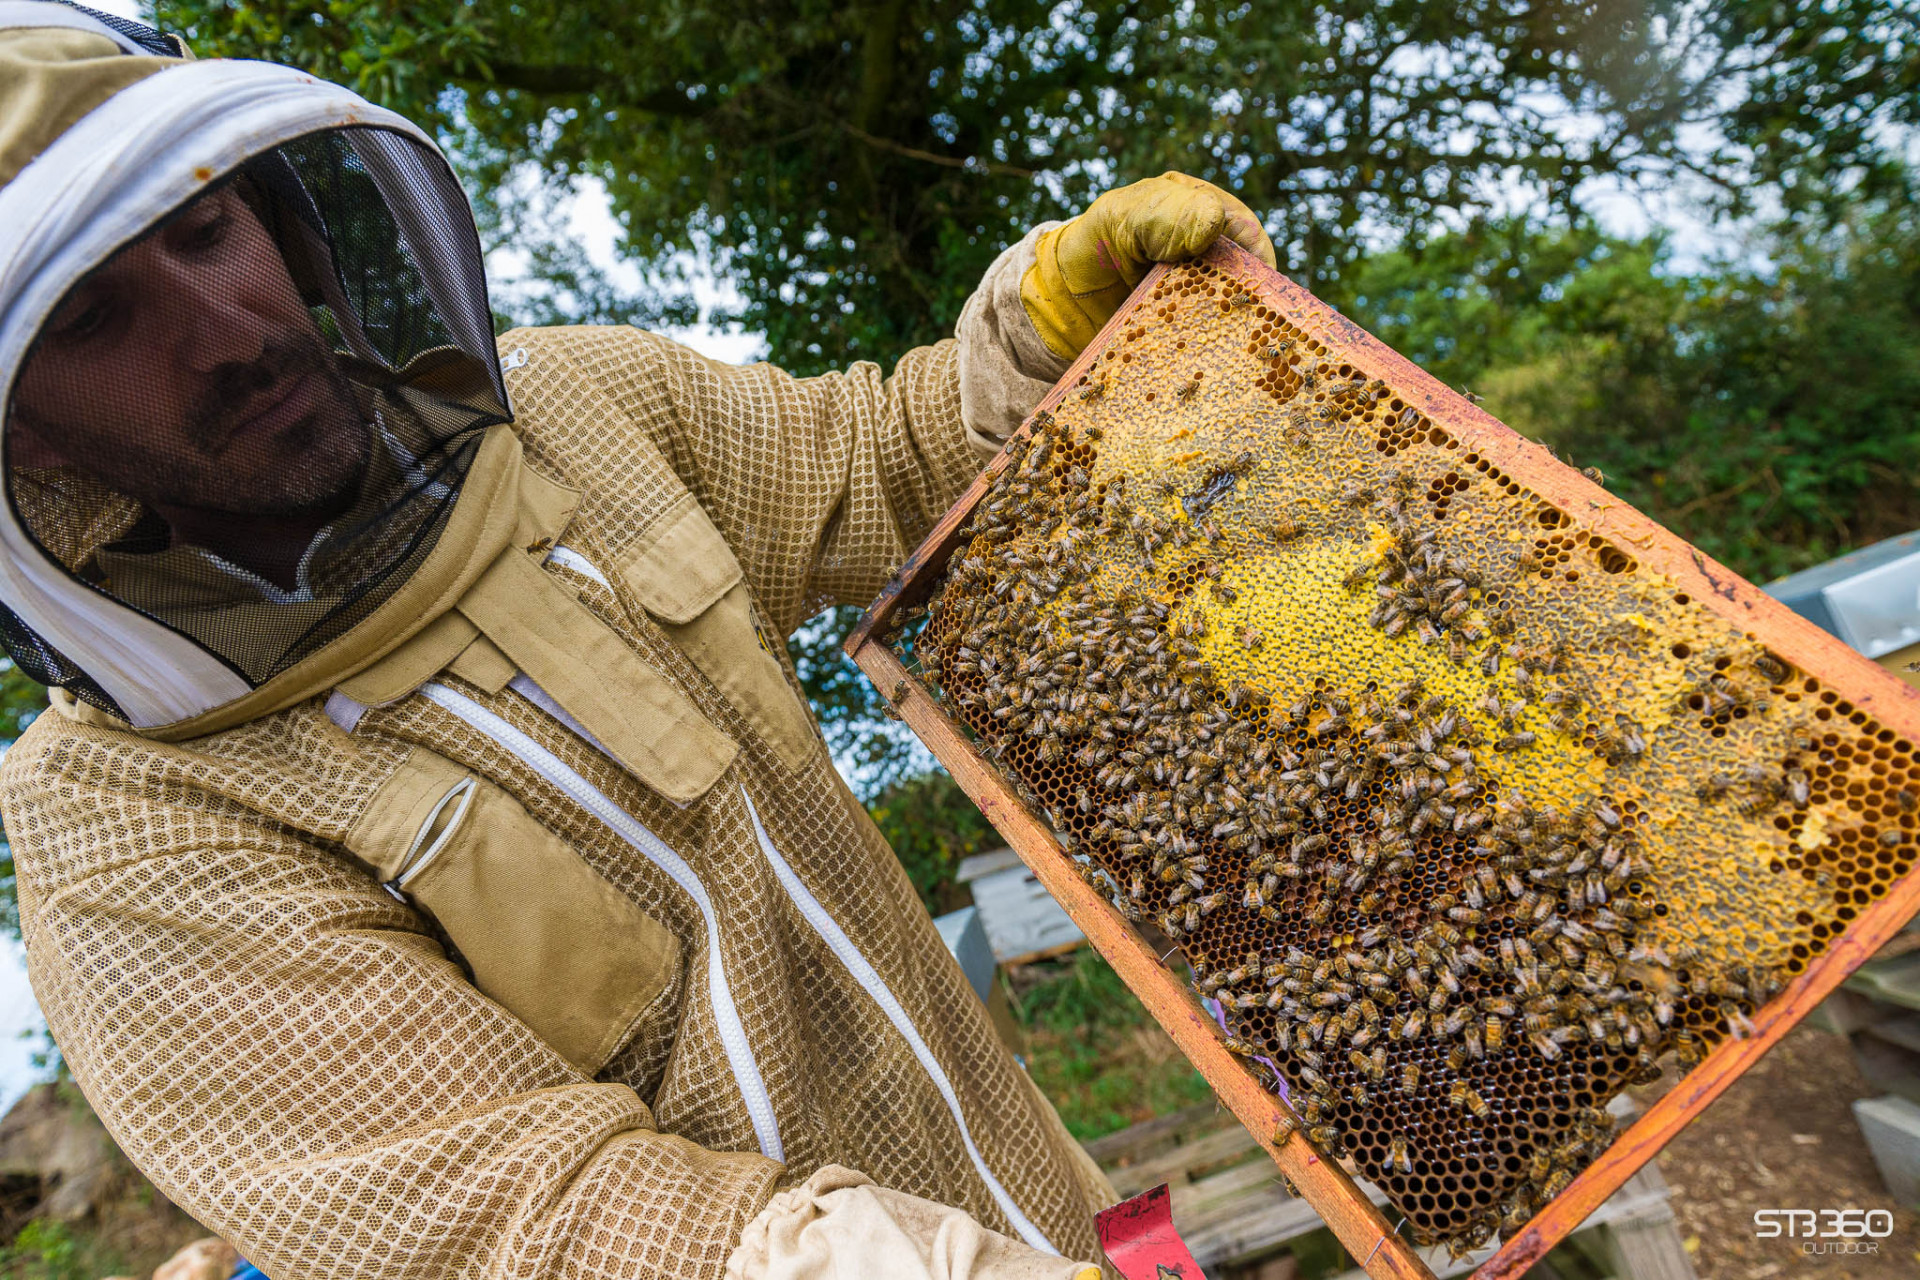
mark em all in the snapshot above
pixel 1582 529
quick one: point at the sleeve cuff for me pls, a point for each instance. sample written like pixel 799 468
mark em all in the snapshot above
pixel 1005 369
pixel 838 1225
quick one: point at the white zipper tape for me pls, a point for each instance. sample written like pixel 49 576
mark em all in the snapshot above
pixel 868 977
pixel 418 859
pixel 726 1016
pixel 568 558
pixel 524 685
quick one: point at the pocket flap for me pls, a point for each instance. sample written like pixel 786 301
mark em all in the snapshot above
pixel 546 936
pixel 680 566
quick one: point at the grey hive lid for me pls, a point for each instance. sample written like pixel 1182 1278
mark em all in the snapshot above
pixel 1870 598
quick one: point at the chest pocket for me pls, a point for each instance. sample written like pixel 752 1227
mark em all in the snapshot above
pixel 686 577
pixel 545 935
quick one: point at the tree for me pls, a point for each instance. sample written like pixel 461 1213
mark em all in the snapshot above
pixel 1770 416
pixel 931 826
pixel 853 168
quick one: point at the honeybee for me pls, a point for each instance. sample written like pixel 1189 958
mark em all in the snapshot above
pixel 1712 787
pixel 1496 1035
pixel 1410 1078
pixel 1397 1155
pixel 1286 529
pixel 1094 390
pixel 1188 390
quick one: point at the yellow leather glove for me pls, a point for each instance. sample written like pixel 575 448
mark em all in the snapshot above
pixel 1088 266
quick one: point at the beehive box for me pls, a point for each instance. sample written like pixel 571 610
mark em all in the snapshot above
pixel 1469 795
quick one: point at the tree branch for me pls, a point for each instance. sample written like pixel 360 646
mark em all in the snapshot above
pixel 951 162
pixel 566 78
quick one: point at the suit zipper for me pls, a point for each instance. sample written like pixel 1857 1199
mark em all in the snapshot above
pixel 843 948
pixel 419 858
pixel 726 1015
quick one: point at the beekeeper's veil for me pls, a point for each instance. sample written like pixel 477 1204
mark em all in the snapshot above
pixel 246 363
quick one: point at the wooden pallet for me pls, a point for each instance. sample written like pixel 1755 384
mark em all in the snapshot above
pixel 1232 1209
pixel 1345 1207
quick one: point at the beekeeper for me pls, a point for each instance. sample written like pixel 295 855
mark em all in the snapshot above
pixel 429 866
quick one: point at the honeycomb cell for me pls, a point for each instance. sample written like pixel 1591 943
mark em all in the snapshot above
pixel 1463 817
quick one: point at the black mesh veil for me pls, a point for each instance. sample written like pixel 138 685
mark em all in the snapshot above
pixel 146 37
pixel 251 422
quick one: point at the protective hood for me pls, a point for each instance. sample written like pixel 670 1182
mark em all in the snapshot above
pixel 246 367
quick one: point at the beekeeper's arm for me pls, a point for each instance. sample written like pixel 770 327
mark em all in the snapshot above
pixel 822 485
pixel 289 1052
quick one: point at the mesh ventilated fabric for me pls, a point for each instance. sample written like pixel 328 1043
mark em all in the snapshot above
pixel 251 423
pixel 290 1055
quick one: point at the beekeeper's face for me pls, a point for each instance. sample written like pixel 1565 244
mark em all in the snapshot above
pixel 187 372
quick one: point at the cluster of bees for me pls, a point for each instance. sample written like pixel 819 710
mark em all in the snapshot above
pixel 1433 969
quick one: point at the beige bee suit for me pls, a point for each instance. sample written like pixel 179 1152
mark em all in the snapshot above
pixel 686 969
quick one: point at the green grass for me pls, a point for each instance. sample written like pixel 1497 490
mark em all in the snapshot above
pixel 49 1250
pixel 1094 1051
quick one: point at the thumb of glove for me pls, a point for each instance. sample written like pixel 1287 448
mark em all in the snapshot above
pixel 1084 269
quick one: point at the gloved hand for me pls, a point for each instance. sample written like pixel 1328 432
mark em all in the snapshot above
pixel 1087 266
pixel 838 1225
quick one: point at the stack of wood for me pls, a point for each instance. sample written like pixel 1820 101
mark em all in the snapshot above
pixel 1235 1214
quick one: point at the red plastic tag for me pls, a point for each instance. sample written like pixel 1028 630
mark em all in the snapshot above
pixel 1139 1238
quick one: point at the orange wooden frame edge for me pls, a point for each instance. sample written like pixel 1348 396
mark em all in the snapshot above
pixel 1588 507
